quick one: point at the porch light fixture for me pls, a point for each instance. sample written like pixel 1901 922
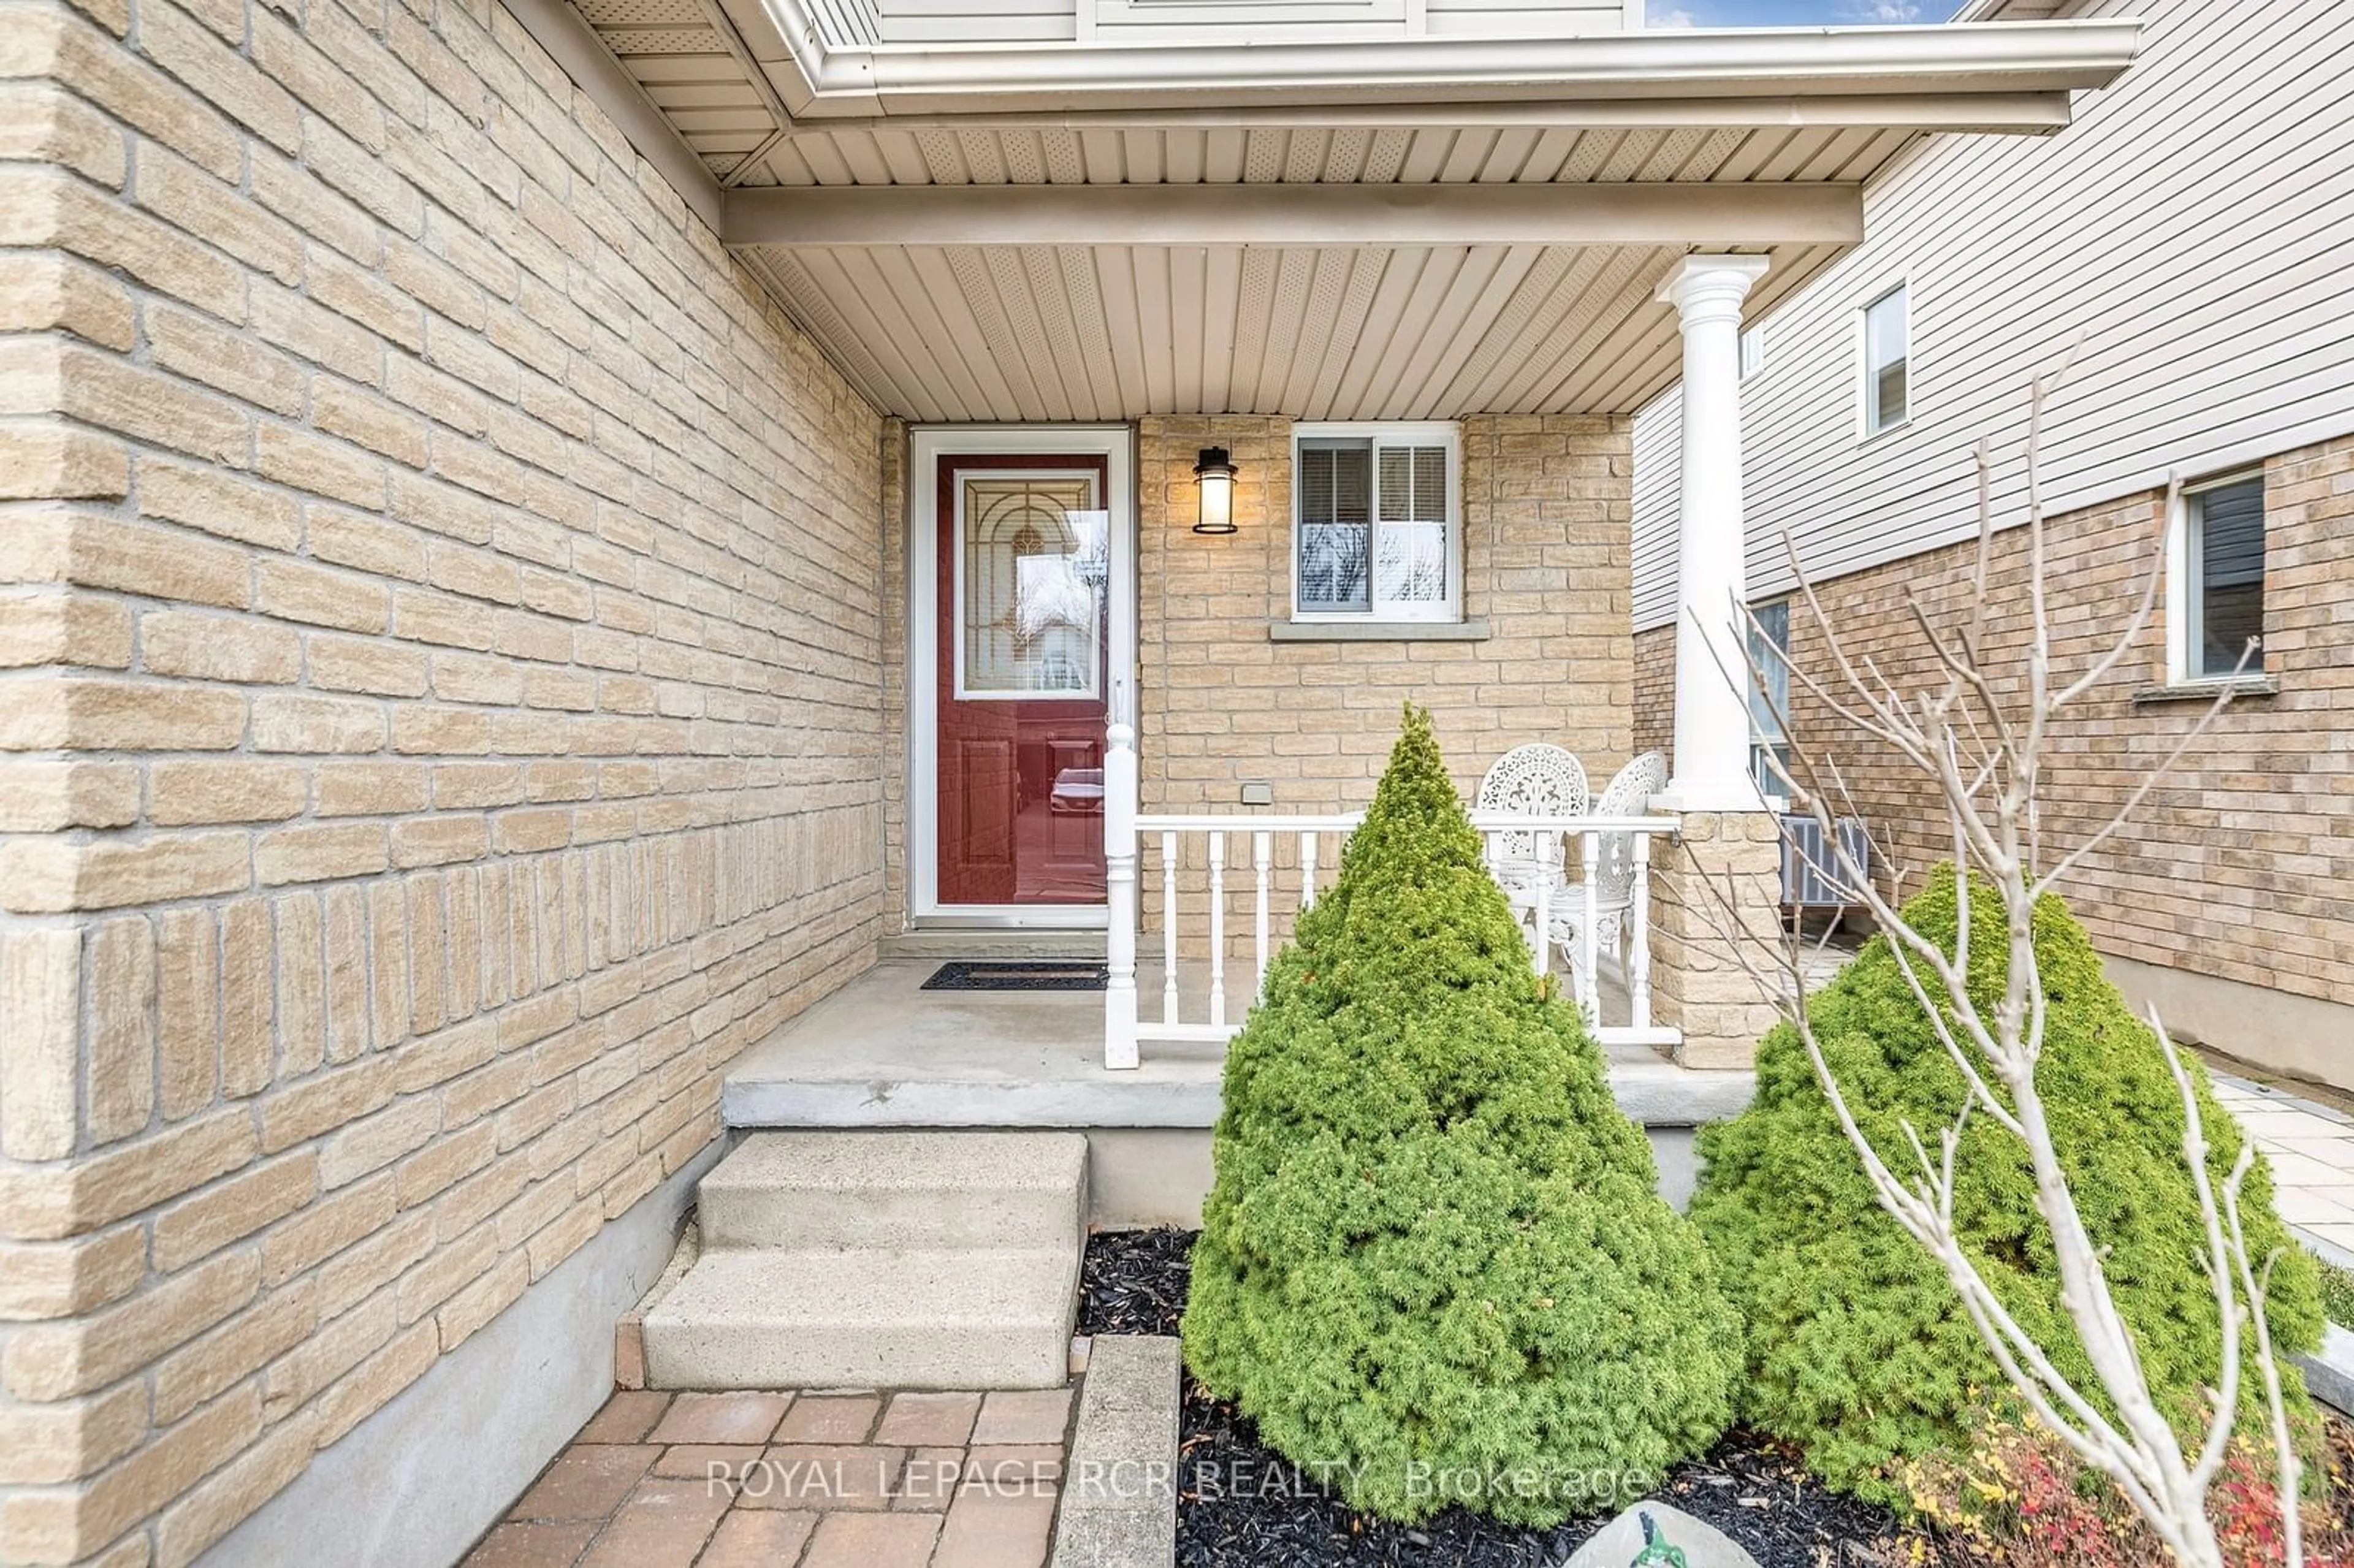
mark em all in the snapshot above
pixel 1213 472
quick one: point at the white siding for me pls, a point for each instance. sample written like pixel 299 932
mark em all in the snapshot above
pixel 1167 21
pixel 2194 227
pixel 1552 19
pixel 977 21
pixel 849 21
pixel 1657 503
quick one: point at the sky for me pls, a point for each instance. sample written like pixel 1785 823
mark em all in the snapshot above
pixel 1793 13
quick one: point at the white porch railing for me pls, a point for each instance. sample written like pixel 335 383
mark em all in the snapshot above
pixel 1279 860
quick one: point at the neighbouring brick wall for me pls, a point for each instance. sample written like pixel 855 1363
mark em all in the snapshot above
pixel 443 599
pixel 1655 690
pixel 2240 865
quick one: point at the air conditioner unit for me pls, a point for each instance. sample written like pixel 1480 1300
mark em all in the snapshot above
pixel 1811 876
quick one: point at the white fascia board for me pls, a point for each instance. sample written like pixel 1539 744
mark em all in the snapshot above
pixel 1998 113
pixel 1298 217
pixel 823 82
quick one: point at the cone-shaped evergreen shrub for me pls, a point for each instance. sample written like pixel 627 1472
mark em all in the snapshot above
pixel 1434 1268
pixel 1860 1351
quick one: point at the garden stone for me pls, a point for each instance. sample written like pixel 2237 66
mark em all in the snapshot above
pixel 1675 1540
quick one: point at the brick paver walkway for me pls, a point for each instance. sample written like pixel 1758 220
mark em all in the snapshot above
pixel 2311 1151
pixel 810 1480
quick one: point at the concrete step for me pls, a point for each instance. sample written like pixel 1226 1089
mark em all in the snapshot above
pixel 879 1260
pixel 958 1318
pixel 1000 945
pixel 891 1190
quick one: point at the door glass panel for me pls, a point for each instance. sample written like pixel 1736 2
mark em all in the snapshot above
pixel 1035 568
pixel 1025 580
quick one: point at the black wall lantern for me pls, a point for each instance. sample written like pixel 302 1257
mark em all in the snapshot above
pixel 1213 472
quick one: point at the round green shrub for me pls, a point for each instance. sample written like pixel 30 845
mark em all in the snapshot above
pixel 1860 1351
pixel 1434 1268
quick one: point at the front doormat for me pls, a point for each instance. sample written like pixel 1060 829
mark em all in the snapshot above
pixel 1037 974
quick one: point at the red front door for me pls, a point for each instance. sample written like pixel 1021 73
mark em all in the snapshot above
pixel 1023 664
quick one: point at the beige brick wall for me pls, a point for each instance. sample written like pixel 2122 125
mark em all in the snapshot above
pixel 1545 557
pixel 440 599
pixel 1721 885
pixel 2241 865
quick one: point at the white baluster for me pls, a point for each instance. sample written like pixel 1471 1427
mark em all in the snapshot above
pixel 1589 983
pixel 1306 869
pixel 1218 927
pixel 1168 928
pixel 1639 950
pixel 1262 861
pixel 1119 891
pixel 1541 938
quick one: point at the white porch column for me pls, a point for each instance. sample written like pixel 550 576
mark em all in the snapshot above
pixel 1711 729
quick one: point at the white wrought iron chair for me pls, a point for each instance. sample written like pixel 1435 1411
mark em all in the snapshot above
pixel 1533 780
pixel 1628 794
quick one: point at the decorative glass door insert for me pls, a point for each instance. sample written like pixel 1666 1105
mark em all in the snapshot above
pixel 1023 581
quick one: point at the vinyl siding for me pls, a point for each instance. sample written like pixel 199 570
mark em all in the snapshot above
pixel 1165 21
pixel 976 21
pixel 1551 18
pixel 849 21
pixel 2190 227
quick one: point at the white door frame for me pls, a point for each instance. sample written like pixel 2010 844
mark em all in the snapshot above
pixel 928 444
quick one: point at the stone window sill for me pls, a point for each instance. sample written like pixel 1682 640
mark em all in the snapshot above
pixel 2207 691
pixel 1474 631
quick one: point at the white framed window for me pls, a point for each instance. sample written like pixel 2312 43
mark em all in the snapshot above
pixel 1886 333
pixel 2217 566
pixel 1377 531
pixel 1769 698
pixel 1752 351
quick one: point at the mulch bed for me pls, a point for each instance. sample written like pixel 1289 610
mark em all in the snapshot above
pixel 1133 1282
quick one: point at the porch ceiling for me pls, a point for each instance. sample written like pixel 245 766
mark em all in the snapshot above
pixel 1306 286
pixel 1110 332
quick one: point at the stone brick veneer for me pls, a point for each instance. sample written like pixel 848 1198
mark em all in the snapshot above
pixel 2238 868
pixel 1722 880
pixel 443 599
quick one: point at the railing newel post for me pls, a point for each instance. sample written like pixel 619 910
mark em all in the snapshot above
pixel 1121 910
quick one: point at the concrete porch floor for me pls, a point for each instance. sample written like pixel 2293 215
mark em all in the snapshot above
pixel 881 1051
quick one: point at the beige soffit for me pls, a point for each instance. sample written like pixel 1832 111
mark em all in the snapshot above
pixel 1394 228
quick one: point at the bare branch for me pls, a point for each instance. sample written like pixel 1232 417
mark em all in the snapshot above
pixel 1981 744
